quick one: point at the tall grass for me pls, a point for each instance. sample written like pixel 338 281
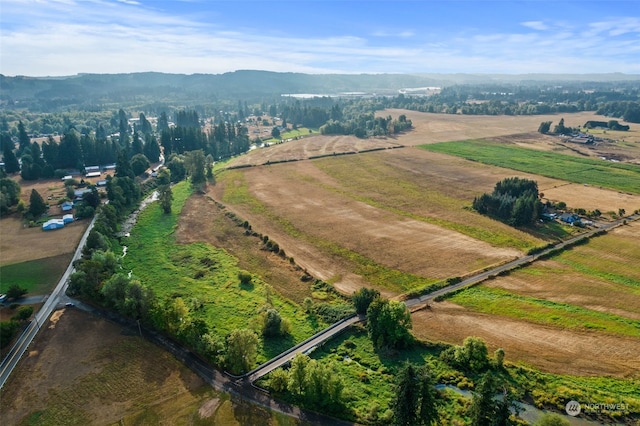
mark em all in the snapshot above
pixel 206 277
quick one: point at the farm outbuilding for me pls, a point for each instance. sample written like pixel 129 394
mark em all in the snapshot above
pixel 66 206
pixel 67 218
pixel 53 224
pixel 569 218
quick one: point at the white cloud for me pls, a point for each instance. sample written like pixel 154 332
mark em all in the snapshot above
pixel 62 37
pixel 535 25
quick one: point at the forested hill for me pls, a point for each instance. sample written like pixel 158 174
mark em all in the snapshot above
pixel 118 88
pixel 88 91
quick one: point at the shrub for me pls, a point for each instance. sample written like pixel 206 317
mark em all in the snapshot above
pixel 245 277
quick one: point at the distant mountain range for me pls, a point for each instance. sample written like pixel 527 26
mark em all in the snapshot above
pixel 101 89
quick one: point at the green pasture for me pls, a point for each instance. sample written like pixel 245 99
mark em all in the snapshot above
pixel 206 276
pixel 503 303
pixel 38 276
pixel 618 176
pixel 290 134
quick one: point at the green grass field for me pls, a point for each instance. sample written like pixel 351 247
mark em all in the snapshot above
pixel 36 276
pixel 617 176
pixel 205 275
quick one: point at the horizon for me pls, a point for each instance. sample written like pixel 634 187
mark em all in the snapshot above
pixel 64 38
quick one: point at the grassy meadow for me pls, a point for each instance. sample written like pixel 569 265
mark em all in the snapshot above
pixel 618 176
pixel 206 276
pixel 36 276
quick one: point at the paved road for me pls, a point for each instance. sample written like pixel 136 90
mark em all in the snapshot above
pixel 304 347
pixel 514 264
pixel 56 298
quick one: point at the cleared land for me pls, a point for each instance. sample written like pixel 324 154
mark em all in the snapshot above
pixel 19 243
pixel 349 218
pixel 85 370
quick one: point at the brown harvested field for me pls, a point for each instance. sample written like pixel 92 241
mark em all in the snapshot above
pixel 590 197
pixel 20 243
pixel 86 370
pixel 432 128
pixel 577 277
pixel 315 204
pixel 550 349
pixel 588 275
pixel 401 208
pixel 312 146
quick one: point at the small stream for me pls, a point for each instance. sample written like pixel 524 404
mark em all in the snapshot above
pixel 127 225
pixel 528 412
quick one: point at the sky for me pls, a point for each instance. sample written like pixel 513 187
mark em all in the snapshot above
pixel 68 37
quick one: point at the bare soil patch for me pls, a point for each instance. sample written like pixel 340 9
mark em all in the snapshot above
pixel 547 348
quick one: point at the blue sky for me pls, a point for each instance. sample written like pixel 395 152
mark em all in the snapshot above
pixel 66 37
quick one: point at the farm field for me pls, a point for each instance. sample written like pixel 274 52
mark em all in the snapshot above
pixel 404 210
pixel 86 370
pixel 615 176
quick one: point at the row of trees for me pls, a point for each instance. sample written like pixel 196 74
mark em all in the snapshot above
pixel 365 125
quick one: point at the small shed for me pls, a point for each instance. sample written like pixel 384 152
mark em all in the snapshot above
pixel 53 224
pixel 102 182
pixel 93 174
pixel 67 218
pixel 66 206
pixel 79 193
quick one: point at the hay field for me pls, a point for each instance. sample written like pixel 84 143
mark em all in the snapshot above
pixel 404 209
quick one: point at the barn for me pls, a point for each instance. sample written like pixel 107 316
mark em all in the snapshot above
pixel 53 224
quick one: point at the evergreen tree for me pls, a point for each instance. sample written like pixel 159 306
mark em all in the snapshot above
pixel 406 397
pixel 23 138
pixel 136 146
pixel 123 166
pixel 195 162
pixel 37 206
pixel 11 164
pixel 151 148
pixel 165 198
pixel 70 151
pixel 163 123
pixel 482 409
